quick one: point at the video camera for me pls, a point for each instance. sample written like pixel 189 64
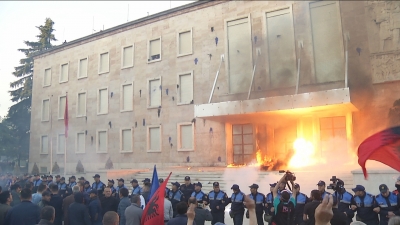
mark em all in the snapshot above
pixel 336 185
pixel 289 175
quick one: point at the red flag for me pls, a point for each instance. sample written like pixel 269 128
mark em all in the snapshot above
pixel 153 213
pixel 383 147
pixel 66 116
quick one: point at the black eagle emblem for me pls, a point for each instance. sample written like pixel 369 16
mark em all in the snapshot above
pixel 153 209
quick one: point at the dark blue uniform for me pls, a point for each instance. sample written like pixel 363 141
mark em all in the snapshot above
pixel 301 200
pixel 259 199
pixel 344 201
pixel 36 184
pixel 117 190
pixel 237 207
pixel 187 190
pixel 269 200
pixel 137 190
pixel 201 197
pixel 388 204
pixel 175 198
pixel 365 206
pixel 62 189
pixel 219 199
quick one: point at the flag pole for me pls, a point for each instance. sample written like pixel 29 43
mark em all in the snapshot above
pixel 65 133
pixel 51 136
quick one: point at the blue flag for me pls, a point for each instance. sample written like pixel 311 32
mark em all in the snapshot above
pixel 154 183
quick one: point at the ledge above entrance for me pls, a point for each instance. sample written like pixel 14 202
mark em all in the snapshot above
pixel 254 110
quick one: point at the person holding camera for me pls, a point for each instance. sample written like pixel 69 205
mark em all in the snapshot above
pixel 363 204
pixel 259 199
pixel 202 215
pixel 301 200
pixel 284 204
pixel 344 199
pixel 237 207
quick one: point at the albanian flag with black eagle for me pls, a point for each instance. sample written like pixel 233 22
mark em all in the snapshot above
pixel 153 213
pixel 383 147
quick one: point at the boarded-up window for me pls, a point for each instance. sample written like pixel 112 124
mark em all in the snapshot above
pixel 81 108
pixel 102 107
pixel 126 142
pixel 61 144
pixel 239 55
pixel 127 97
pixel 155 49
pixel 61 107
pixel 127 56
pixel 280 35
pixel 327 40
pixel 45 109
pixel 64 73
pixel 102 141
pixel 104 63
pixel 44 144
pixel 80 142
pixel 185 88
pixel 83 63
pixel 47 77
pixel 154 138
pixel 155 93
pixel 185 43
pixel 186 136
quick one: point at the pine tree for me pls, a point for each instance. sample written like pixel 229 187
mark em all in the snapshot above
pixel 35 169
pixel 109 164
pixel 56 168
pixel 79 167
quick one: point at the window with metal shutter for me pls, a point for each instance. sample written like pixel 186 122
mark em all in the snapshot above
pixel 127 97
pixel 103 101
pixel 61 107
pixel 327 41
pixel 45 144
pixel 155 49
pixel 239 55
pixel 81 104
pixel 127 56
pixel 47 77
pixel 154 135
pixel 185 88
pixel 80 138
pixel 185 42
pixel 61 143
pixel 127 140
pixel 104 63
pixel 45 110
pixel 64 73
pixel 102 142
pixel 186 137
pixel 155 93
pixel 83 68
pixel 281 47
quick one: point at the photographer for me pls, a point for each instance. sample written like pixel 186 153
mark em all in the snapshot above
pixel 202 215
pixel 363 204
pixel 344 198
pixel 284 204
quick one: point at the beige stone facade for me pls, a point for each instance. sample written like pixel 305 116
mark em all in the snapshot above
pixel 272 35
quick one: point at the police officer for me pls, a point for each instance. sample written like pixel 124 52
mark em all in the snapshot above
pixel 49 180
pixel 136 189
pixel 82 181
pixel 259 199
pixel 363 204
pixel 237 207
pixel 218 201
pixel 187 188
pixel 301 200
pixel 44 179
pixel 175 196
pixel 98 185
pixel 160 181
pixel 269 200
pixel 321 188
pixel 72 182
pixel 62 187
pixel 58 177
pixel 344 200
pixel 386 205
pixel 86 187
pixel 200 196
pixel 36 183
pixel 121 184
pixel 111 186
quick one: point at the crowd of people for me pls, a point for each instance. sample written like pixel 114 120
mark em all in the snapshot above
pixel 41 200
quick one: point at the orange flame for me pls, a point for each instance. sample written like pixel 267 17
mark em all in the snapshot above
pixel 304 154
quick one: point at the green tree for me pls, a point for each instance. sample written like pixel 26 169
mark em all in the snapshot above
pixel 18 119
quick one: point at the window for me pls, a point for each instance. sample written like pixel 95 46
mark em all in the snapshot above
pixel 242 141
pixel 104 63
pixel 240 64
pixel 185 88
pixel 127 57
pixel 61 144
pixel 102 101
pixel 185 137
pixel 81 106
pixel 45 109
pixel 154 100
pixel 61 107
pixel 82 68
pixel 154 50
pixel 64 73
pixel 332 127
pixel 47 77
pixel 102 141
pixel 126 140
pixel 127 97
pixel 154 138
pixel 44 144
pixel 327 37
pixel 80 142
pixel 185 43
pixel 281 47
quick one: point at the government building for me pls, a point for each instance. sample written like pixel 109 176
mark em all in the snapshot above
pixel 218 83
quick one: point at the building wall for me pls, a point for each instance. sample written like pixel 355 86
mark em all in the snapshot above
pixel 207 22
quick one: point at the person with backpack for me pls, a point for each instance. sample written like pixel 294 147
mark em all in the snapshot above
pixel 284 205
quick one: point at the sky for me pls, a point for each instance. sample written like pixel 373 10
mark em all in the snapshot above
pixel 73 20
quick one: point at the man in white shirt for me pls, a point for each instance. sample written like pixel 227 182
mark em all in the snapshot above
pixel 168 211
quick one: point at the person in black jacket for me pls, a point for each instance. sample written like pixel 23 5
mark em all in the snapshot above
pixel 95 208
pixel 78 213
pixel 56 201
pixel 108 202
pixel 24 213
